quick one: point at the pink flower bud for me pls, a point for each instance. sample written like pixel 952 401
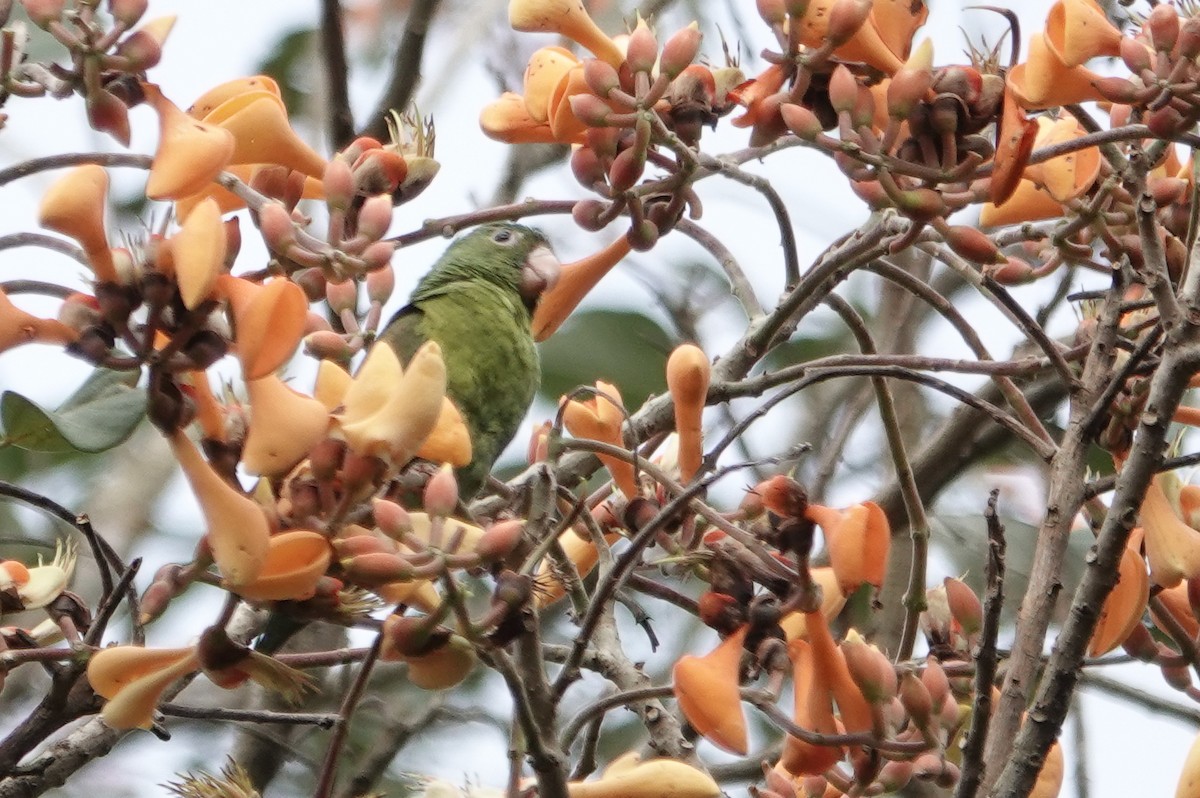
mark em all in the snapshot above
pixel 600 77
pixel 343 296
pixel 680 50
pixel 801 121
pixel 338 183
pixel 375 216
pixel 441 493
pixel 380 284
pixel 378 255
pixel 500 540
pixel 845 18
pixel 391 518
pixel 642 51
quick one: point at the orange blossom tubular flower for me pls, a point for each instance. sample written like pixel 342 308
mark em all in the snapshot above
pixel 450 440
pixel 1079 30
pixel 1044 81
pixel 133 679
pixel 332 383
pixel 198 250
pixel 707 691
pixel 1067 176
pixel 19 327
pixel 852 706
pixel 654 778
pixel 74 206
pixel 1126 603
pixel 833 599
pixel 190 153
pixel 268 321
pixel 284 426
pixel 1189 777
pixel 259 124
pixel 1172 547
pixel 568 18
pixel 882 40
pixel 238 532
pixel 545 69
pixel 207 102
pixel 858 539
pixel 296 561
pixel 688 373
pixel 390 410
pixel 1174 600
pixel 574 282
pixel 813 711
pixel 507 119
pixel 598 419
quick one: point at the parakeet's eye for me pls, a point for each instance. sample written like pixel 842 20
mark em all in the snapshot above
pixel 503 236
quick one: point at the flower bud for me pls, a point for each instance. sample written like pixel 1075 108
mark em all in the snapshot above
pixel 441 493
pixel 680 50
pixel 643 236
pixel 500 540
pixel 801 121
pixel 338 184
pixel 1163 25
pixel 845 18
pixel 588 214
pixel 378 255
pixel 642 50
pixel 600 77
pixel 375 217
pixel 843 89
pixel 380 284
pixel 343 296
pixel 590 109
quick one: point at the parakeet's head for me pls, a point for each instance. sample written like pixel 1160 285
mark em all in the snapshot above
pixel 514 257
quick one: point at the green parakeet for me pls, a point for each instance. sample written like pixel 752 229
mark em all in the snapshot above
pixel 477 303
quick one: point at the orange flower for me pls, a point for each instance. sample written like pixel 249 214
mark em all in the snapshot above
pixel 707 689
pixel 581 552
pixel 1079 30
pixel 858 539
pixel 629 777
pixel 238 532
pixel 688 372
pixel 74 206
pixel 882 40
pixel 190 153
pixel 813 711
pixel 575 280
pixel 284 426
pixel 1172 547
pixel 1125 605
pixel 598 419
pixel 1045 81
pixel 133 680
pixel 1043 187
pixel 268 320
pixel 198 252
pixel 295 562
pixel 18 327
pixel 567 18
pixel 391 411
pixel 507 119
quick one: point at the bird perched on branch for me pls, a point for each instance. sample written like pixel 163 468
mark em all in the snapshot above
pixel 477 303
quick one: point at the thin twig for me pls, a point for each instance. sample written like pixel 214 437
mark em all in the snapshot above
pixel 985 655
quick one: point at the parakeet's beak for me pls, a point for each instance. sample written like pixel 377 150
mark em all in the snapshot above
pixel 539 274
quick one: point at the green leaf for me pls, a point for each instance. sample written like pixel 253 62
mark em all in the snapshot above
pixel 624 348
pixel 101 414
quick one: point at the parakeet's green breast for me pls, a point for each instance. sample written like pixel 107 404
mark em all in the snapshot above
pixel 476 304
